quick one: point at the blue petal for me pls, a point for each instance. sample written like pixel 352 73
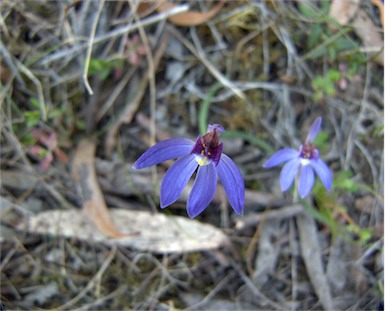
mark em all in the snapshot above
pixel 232 182
pixel 323 172
pixel 176 179
pixel 306 181
pixel 281 156
pixel 314 130
pixel 164 150
pixel 288 173
pixel 203 190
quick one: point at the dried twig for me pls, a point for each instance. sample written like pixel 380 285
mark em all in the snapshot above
pixel 11 64
pixel 89 50
pixel 151 76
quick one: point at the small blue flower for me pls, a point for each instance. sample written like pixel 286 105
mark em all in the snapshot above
pixel 305 162
pixel 206 155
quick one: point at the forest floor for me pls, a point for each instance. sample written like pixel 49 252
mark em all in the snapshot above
pixel 88 86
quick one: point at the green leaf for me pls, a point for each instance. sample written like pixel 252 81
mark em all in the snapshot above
pixel 80 124
pixel 332 54
pixel 32 117
pixel 28 140
pixel 58 112
pixel 325 7
pixel 315 35
pixel 102 67
pixel 318 82
pixel 378 131
pixel 96 65
pixel 104 74
pixel 307 11
pixel 204 108
pixel 35 103
pixel 343 181
pixel 321 140
pixel 334 75
pixel 365 235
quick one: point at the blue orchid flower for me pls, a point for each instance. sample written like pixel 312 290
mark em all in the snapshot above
pixel 206 155
pixel 304 162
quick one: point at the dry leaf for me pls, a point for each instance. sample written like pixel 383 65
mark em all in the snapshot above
pixel 94 206
pixel 158 233
pixel 311 254
pixel 190 18
pixel 370 35
pixel 268 252
pixel 344 11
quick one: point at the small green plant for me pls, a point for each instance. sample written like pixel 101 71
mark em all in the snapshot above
pixel 43 140
pixel 133 52
pixel 102 67
pixel 326 36
pixel 325 85
pixel 334 214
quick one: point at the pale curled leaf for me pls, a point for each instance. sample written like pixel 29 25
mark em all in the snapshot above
pixel 94 206
pixel 157 233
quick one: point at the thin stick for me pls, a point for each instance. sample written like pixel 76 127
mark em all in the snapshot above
pixel 89 50
pixel 151 77
pixel 11 65
pixel 39 88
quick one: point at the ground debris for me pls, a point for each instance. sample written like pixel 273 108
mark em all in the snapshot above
pixel 154 232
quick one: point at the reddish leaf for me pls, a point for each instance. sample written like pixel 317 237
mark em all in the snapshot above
pixel 62 157
pixel 190 18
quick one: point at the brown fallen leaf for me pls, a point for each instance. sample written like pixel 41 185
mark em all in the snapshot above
pixel 189 18
pixel 94 206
